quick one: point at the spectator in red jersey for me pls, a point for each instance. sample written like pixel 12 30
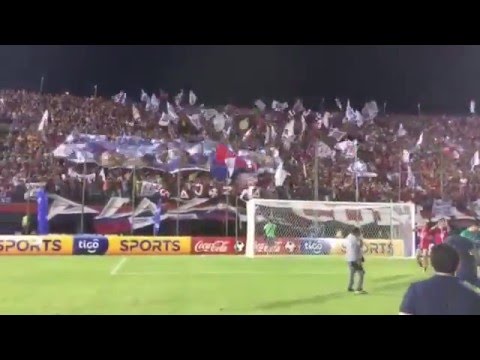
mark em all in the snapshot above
pixel 440 231
pixel 426 242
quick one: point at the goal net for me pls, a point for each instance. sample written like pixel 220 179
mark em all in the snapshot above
pixel 284 227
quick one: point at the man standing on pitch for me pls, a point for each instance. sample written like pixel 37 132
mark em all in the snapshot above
pixel 355 259
pixel 443 293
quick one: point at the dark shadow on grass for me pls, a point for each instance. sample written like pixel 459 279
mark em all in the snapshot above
pixel 319 299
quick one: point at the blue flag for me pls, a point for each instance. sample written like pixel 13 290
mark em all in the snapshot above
pixel 157 218
pixel 42 212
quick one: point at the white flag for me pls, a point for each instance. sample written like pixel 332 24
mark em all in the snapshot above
pixel 350 113
pixel 401 131
pixel 195 120
pixel 280 175
pixel 347 147
pixel 472 107
pixel 326 118
pixel 339 103
pixel 410 178
pixel 260 105
pixel 179 98
pixel 298 106
pixel 288 130
pixel 144 96
pixel 171 111
pixel 324 150
pixel 304 125
pixel 420 140
pixel 406 156
pixel 44 122
pixel 102 175
pixel 155 104
pixel 337 134
pixel 277 106
pixel 370 110
pixel 475 160
pixel 164 120
pixel 135 113
pixel 359 118
pixel 120 98
pixel 192 98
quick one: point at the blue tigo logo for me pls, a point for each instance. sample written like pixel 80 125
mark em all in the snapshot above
pixel 90 245
pixel 315 247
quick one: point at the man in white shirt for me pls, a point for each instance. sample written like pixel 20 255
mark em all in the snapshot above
pixel 355 259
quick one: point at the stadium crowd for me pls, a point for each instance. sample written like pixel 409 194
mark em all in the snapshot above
pixel 438 163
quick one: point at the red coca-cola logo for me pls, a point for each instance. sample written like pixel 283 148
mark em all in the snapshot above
pixel 213 246
pixel 264 248
pixel 219 246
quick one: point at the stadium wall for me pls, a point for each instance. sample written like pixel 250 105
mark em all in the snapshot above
pixel 182 245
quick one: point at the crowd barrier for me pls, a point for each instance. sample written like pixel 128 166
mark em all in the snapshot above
pixel 182 245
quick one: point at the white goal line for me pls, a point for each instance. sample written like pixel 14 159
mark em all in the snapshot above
pixel 223 273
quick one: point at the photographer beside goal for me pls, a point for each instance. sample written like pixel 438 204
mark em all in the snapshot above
pixel 355 260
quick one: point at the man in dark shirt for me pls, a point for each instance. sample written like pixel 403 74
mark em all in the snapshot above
pixel 443 293
pixel 467 270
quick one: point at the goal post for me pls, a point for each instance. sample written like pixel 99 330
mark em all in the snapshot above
pixel 290 227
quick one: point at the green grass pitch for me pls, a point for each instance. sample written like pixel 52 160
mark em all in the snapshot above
pixel 199 285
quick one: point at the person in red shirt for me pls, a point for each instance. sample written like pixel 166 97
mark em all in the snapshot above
pixel 426 242
pixel 440 231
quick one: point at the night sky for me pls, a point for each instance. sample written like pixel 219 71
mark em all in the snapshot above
pixel 442 78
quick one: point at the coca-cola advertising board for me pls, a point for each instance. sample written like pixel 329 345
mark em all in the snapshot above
pixel 281 246
pixel 217 246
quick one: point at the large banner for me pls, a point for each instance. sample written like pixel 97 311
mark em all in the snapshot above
pixel 149 245
pixel 36 245
pixel 372 247
pixel 327 246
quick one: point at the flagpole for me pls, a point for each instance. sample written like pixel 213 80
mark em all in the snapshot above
pixel 84 185
pixel 178 204
pixel 236 216
pixel 41 84
pixel 357 192
pixel 441 173
pixel 226 215
pixel 399 181
pixel 134 185
pixel 315 172
pixel 95 91
pixel 28 202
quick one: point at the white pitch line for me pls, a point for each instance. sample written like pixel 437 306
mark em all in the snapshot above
pixel 118 266
pixel 201 273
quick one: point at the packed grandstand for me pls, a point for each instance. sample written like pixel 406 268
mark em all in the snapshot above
pixel 204 162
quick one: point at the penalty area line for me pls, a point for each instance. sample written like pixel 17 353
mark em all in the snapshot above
pixel 119 265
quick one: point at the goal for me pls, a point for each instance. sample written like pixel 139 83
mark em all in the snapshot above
pixel 319 228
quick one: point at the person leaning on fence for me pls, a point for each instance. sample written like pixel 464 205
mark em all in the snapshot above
pixel 355 260
pixel 443 293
